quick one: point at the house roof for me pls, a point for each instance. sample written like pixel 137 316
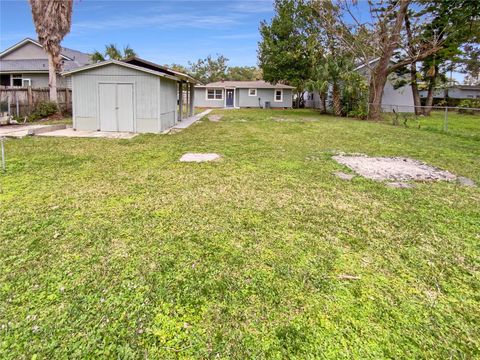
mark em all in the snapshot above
pixel 33 65
pixel 70 59
pixel 134 60
pixel 120 63
pixel 257 84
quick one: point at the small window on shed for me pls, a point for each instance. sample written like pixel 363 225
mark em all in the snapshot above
pixel 252 92
pixel 17 80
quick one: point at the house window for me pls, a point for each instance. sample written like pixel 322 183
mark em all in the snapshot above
pixel 16 80
pixel 278 95
pixel 214 94
pixel 252 92
pixel 26 82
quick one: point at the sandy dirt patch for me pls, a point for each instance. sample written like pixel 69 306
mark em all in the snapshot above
pixel 393 168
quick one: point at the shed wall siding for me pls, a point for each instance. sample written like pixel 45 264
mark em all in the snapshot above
pixel 146 95
pixel 168 103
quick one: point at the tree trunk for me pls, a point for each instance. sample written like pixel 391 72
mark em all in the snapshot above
pixel 337 101
pixel 52 78
pixel 415 92
pixel 413 69
pixel 323 101
pixel 430 93
pixel 379 75
pixel 377 85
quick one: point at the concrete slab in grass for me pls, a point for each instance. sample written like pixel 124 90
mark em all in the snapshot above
pixel 199 157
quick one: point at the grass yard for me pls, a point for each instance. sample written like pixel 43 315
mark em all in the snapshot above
pixel 114 249
pixel 461 125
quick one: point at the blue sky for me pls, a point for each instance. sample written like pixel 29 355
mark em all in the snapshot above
pixel 162 31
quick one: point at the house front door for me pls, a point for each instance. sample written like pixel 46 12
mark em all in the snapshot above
pixel 229 95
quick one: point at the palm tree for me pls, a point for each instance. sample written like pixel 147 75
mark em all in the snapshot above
pixel 112 53
pixel 52 19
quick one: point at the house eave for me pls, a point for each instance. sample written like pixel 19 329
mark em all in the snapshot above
pixel 23 42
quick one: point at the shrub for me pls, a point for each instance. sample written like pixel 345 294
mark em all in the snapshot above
pixel 43 110
pixel 468 104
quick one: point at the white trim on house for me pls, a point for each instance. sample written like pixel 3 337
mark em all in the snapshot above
pixel 23 42
pixel 249 94
pixel 29 81
pixel 275 95
pixel 214 94
pixel 119 63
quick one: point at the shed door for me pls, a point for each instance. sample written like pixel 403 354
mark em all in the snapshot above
pixel 125 107
pixel 116 107
pixel 107 107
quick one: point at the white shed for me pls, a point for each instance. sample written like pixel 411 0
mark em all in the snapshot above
pixel 132 95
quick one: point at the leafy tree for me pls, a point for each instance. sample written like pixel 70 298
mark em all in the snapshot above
pixel 243 73
pixel 209 69
pixel 471 64
pixel 52 21
pixel 178 67
pixel 285 51
pixel 112 52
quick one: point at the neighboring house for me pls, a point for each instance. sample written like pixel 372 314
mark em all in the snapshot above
pixel 400 99
pixel 133 95
pixel 243 94
pixel 26 64
pixel 455 92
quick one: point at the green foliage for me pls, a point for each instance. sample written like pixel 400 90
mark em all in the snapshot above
pixel 112 52
pixel 243 73
pixel 284 52
pixel 209 69
pixel 468 105
pixel 43 110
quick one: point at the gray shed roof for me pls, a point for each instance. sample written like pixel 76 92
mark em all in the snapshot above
pixel 257 84
pixel 120 63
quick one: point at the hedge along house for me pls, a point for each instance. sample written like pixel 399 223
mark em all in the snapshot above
pixel 133 95
pixel 243 94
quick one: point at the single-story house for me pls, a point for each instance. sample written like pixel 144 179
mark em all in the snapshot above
pixel 243 94
pixel 133 95
pixel 26 64
pixel 455 92
pixel 399 99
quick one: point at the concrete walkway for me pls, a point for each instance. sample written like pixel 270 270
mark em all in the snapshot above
pixel 19 131
pixel 185 123
pixel 69 132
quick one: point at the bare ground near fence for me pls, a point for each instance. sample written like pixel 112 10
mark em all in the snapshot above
pixel 20 101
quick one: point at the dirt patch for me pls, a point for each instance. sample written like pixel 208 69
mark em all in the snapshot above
pixel 215 118
pixel 393 169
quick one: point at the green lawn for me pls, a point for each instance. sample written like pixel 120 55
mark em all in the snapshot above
pixel 114 249
pixel 461 125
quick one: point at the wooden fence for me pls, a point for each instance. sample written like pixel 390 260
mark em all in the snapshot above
pixel 21 101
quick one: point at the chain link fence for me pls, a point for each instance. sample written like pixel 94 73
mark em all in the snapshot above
pixel 449 119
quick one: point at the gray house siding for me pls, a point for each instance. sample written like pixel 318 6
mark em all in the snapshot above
pixel 454 93
pixel 149 115
pixel 242 99
pixel 26 51
pixel 265 95
pixel 202 101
